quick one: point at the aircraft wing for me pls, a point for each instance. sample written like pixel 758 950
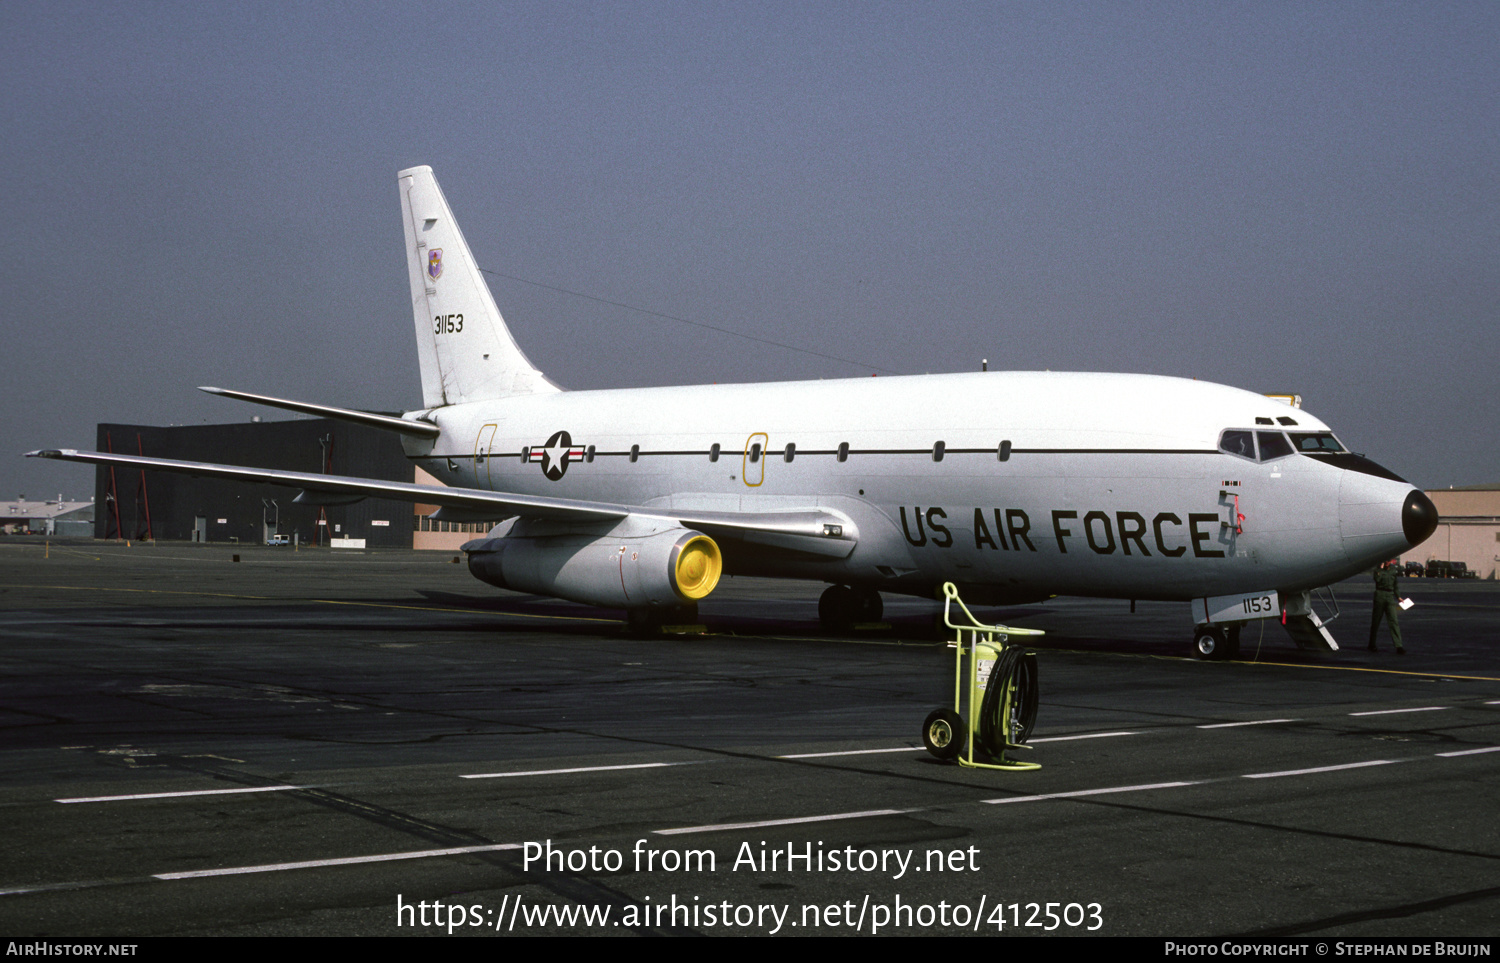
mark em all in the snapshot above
pixel 819 531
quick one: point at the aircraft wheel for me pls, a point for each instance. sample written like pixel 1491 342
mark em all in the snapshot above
pixel 838 608
pixel 1209 643
pixel 870 606
pixel 943 734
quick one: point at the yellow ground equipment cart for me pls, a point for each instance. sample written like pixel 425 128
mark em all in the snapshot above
pixel 995 682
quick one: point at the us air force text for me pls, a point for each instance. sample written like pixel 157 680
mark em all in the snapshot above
pixel 1104 533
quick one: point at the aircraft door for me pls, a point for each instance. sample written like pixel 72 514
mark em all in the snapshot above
pixel 484 454
pixel 753 471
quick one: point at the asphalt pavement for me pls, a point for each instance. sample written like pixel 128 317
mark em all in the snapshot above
pixel 374 743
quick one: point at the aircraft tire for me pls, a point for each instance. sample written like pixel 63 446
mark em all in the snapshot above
pixel 943 734
pixel 838 608
pixel 870 606
pixel 1209 644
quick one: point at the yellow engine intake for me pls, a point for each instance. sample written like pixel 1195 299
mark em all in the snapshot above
pixel 697 568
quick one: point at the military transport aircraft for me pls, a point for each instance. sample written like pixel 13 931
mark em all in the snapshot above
pixel 1016 486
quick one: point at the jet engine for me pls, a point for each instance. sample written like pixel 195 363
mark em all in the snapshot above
pixel 661 569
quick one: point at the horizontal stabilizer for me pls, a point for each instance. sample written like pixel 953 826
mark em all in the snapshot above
pixel 405 426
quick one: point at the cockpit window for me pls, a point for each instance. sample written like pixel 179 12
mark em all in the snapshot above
pixel 1236 442
pixel 1314 442
pixel 1273 445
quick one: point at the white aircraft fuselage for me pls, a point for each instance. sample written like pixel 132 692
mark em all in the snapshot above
pixel 1013 485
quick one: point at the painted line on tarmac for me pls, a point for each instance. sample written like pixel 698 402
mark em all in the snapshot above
pixel 345 861
pixel 176 795
pixel 300 600
pixel 850 752
pixel 796 821
pixel 715 827
pixel 1253 722
pixel 1086 735
pixel 1361 668
pixel 1392 712
pixel 1088 792
pixel 1305 772
pixel 872 752
pixel 558 772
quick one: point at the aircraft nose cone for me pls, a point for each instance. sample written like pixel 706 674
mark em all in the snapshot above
pixel 1419 518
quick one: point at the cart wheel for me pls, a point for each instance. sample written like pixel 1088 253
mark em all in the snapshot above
pixel 943 734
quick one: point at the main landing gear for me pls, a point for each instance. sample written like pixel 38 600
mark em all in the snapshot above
pixel 841 607
pixel 1217 642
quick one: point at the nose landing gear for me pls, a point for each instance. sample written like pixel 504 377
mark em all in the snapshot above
pixel 1216 642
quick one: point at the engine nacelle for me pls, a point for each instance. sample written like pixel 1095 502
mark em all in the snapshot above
pixel 662 569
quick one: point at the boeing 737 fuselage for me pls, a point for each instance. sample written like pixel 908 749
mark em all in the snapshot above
pixel 1015 486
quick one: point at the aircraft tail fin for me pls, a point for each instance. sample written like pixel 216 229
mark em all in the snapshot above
pixel 465 351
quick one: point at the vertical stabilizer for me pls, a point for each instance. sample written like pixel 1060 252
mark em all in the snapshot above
pixel 465 350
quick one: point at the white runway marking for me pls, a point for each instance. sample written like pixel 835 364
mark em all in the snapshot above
pixel 1391 712
pixel 558 772
pixel 346 861
pixel 721 827
pixel 851 752
pixel 1089 735
pixel 175 795
pixel 718 827
pixel 1304 772
pixel 1256 722
pixel 1087 792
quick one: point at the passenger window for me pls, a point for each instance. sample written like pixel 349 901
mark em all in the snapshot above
pixel 635 453
pixel 1273 445
pixel 790 453
pixel 1240 443
pixel 713 453
pixel 843 451
pixel 755 453
pixel 938 448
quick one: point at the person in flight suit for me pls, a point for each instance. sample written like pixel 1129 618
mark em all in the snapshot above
pixel 1386 605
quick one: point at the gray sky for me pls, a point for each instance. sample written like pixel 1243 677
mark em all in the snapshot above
pixel 1281 197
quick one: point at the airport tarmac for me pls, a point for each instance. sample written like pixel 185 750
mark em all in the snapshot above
pixel 365 743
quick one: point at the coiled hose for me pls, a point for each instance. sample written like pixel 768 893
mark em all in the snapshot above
pixel 1015 667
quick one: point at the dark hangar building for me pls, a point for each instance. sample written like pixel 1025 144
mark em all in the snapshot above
pixel 165 505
